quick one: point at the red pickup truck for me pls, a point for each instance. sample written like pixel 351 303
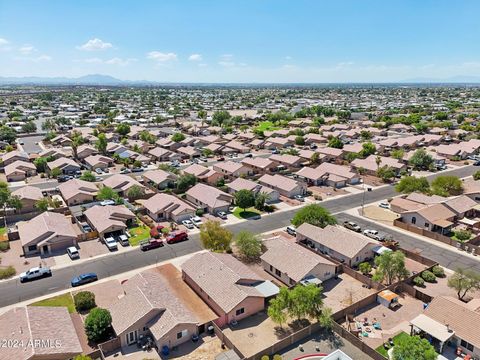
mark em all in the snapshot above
pixel 177 237
pixel 151 244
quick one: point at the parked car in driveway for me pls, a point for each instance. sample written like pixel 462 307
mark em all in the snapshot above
pixel 352 226
pixel 222 215
pixel 35 273
pixel 83 279
pixel 98 171
pixel 292 230
pixel 123 240
pixel 151 244
pixel 72 251
pixel 111 243
pixel 107 202
pixel 176 236
pixel 197 221
pixel 299 198
pixel 188 224
pixel 384 205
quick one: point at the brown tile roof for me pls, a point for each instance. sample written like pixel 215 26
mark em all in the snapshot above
pixel 258 162
pixel 121 182
pixel 279 182
pixel 222 277
pixel 450 311
pixel 460 204
pixel 158 176
pixel 210 195
pixel 45 228
pixel 76 186
pixel 148 297
pixel 291 258
pixel 28 192
pixel 104 217
pixel 343 241
pixel 167 203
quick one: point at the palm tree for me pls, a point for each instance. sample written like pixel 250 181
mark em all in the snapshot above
pixel 378 161
pixel 8 201
pixel 77 140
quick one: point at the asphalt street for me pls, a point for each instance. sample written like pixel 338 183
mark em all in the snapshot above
pixel 12 291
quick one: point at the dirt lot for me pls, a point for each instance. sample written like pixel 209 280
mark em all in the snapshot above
pixel 205 349
pixel 379 214
pixel 326 191
pixel 344 291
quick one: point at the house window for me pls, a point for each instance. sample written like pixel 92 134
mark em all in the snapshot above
pixel 240 311
pixel 427 225
pixel 278 272
pixel 271 268
pixel 414 220
pixel 466 345
pixel 32 248
pixel 145 328
pixel 131 337
pixel 292 282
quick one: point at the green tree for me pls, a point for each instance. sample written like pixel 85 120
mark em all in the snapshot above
pixel 168 168
pixel 447 185
pixel 463 235
pixel 315 215
pixel 41 164
pixel 397 154
pixel 77 140
pixel 315 158
pixel 98 324
pixel 335 142
pixel 409 184
pixel 29 127
pixel 84 300
pixel 8 201
pixel 365 135
pixel 421 160
pixel 386 173
pixel 219 118
pixel 7 134
pixel 207 152
pixel 82 357
pixel 42 204
pixel 365 268
pixel 260 199
pixel 277 308
pixel 325 319
pixel 107 193
pixel 88 176
pixel 368 148
pixel 464 281
pixel 101 143
pixel 186 181
pixel 249 245
pixel 390 267
pixel 135 192
pixel 123 129
pixel 421 128
pixel 177 137
pixel 55 172
pixel 244 199
pixel 215 237
pixel 441 116
pixel 476 175
pixel 300 141
pixel 414 348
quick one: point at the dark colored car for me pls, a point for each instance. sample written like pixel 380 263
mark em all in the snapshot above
pixel 84 279
pixel 62 178
pixel 177 237
pixel 476 163
pixel 134 170
pixel 151 244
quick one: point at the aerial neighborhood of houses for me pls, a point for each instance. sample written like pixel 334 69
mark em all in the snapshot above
pixel 250 223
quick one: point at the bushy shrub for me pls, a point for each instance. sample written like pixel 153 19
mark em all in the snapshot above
pixel 4 245
pixel 199 212
pixel 438 271
pixel 265 357
pixel 154 233
pixel 419 281
pixel 428 276
pixel 84 300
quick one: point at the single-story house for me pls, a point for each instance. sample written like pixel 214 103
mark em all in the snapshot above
pixel 285 186
pixel 159 179
pixel 292 263
pixel 19 170
pixel 203 173
pixel 230 169
pixel 46 233
pixel 78 191
pixel 259 165
pixel 161 207
pixel 28 195
pixel 228 286
pixel 245 184
pixel 341 244
pixel 13 156
pixel 121 183
pixel 93 162
pixel 437 218
pixel 210 199
pixel 287 161
pixel 66 165
pixel 109 220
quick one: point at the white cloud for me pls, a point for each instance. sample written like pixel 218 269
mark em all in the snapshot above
pixel 41 58
pixel 195 57
pixel 119 61
pixel 202 65
pixel 161 57
pixel 26 49
pixel 94 45
pixel 4 44
pixel 92 61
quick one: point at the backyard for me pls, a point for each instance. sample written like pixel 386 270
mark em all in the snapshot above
pixel 266 126
pixel 65 300
pixel 396 339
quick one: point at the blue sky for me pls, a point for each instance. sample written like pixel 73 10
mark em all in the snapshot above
pixel 242 40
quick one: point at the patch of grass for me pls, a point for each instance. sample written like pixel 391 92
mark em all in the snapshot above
pixel 139 234
pixel 7 272
pixel 3 230
pixel 64 300
pixel 396 340
pixel 267 126
pixel 247 214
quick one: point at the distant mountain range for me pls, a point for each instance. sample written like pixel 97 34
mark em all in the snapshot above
pixel 107 80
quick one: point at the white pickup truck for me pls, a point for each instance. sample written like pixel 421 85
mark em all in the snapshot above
pixel 35 273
